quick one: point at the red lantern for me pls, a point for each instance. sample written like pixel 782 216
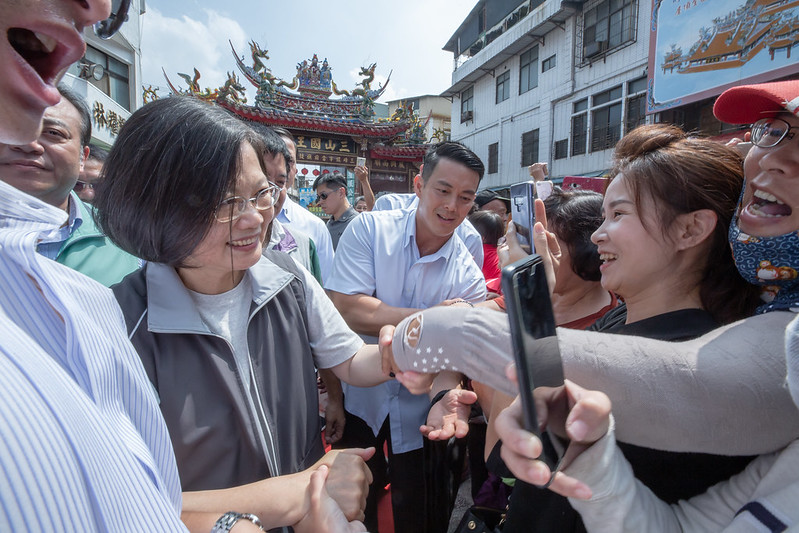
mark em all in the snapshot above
pixel 325 171
pixel 304 171
pixel 315 172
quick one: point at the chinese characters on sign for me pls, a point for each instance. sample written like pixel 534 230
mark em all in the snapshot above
pixel 326 150
pixel 107 119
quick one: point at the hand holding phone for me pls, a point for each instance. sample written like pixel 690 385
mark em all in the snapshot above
pixel 522 205
pixel 535 349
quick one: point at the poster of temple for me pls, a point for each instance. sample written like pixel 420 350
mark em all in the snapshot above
pixel 699 48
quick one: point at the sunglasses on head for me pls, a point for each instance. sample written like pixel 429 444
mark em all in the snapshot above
pixel 105 29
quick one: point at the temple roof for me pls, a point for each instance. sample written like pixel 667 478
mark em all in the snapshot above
pixel 288 119
pixel 400 153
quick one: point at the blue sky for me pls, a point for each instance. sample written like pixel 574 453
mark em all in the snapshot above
pixel 406 38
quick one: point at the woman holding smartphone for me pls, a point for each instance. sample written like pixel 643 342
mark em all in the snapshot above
pixel 708 394
pixel 766 229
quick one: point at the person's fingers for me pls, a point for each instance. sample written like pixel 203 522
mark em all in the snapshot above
pixel 510 430
pixel 364 453
pixel 415 382
pixel 589 418
pixel 461 428
pixel 316 486
pixel 465 396
pixel 569 487
pixel 385 340
pixel 542 243
pixel 540 212
pixel 510 373
pixel 336 432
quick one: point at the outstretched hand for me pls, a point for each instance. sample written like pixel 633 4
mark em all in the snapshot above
pixel 449 417
pixel 415 382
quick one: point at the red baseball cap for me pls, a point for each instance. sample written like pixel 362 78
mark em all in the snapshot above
pixel 749 103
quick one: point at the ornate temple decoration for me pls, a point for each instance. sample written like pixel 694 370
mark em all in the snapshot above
pixel 332 126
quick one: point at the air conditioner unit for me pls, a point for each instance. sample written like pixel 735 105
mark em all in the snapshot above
pixel 467 115
pixel 594 48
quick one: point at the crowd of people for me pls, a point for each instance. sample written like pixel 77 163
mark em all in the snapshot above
pixel 187 396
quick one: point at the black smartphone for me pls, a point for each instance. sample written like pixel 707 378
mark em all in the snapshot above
pixel 535 348
pixel 522 205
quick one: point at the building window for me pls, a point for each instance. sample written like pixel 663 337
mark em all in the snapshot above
pixel 493 158
pixel 579 126
pixel 116 82
pixel 503 86
pixel 548 63
pixel 606 119
pixel 528 70
pixel 635 115
pixel 529 148
pixel 562 149
pixel 467 104
pixel 607 25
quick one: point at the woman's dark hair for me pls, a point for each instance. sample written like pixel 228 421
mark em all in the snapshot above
pixel 681 173
pixel 173 161
pixel 489 225
pixel 574 216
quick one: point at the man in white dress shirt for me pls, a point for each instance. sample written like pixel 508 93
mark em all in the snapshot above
pixel 388 265
pixel 296 216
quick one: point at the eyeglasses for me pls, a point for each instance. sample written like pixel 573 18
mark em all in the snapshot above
pixel 105 29
pixel 81 186
pixel 769 132
pixel 323 196
pixel 230 209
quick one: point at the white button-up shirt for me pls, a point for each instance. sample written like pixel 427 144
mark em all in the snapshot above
pixel 378 256
pixel 296 216
pixel 84 445
pixel 466 231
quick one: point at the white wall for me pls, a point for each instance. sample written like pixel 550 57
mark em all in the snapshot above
pixel 547 107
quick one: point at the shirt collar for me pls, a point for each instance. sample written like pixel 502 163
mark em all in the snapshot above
pixel 410 231
pixel 170 307
pixel 17 207
pixel 75 216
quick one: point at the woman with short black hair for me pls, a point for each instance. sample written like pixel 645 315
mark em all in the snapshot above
pixel 229 335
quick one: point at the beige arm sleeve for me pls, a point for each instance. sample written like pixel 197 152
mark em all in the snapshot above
pixel 722 393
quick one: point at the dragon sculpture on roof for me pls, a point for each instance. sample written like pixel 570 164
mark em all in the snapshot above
pixel 231 91
pixel 314 83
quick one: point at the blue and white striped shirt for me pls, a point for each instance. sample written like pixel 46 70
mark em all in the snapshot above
pixel 84 446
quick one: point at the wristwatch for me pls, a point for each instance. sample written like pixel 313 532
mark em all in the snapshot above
pixel 229 519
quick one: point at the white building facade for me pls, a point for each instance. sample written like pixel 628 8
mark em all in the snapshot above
pixel 550 80
pixel 109 76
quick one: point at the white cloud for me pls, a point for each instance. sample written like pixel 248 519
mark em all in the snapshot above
pixel 180 45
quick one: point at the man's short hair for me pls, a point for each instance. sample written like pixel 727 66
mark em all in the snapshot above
pixel 454 151
pixel 83 110
pixel 283 132
pixel 98 153
pixel 332 181
pixel 273 143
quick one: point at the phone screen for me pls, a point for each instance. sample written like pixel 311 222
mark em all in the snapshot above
pixel 522 198
pixel 535 347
